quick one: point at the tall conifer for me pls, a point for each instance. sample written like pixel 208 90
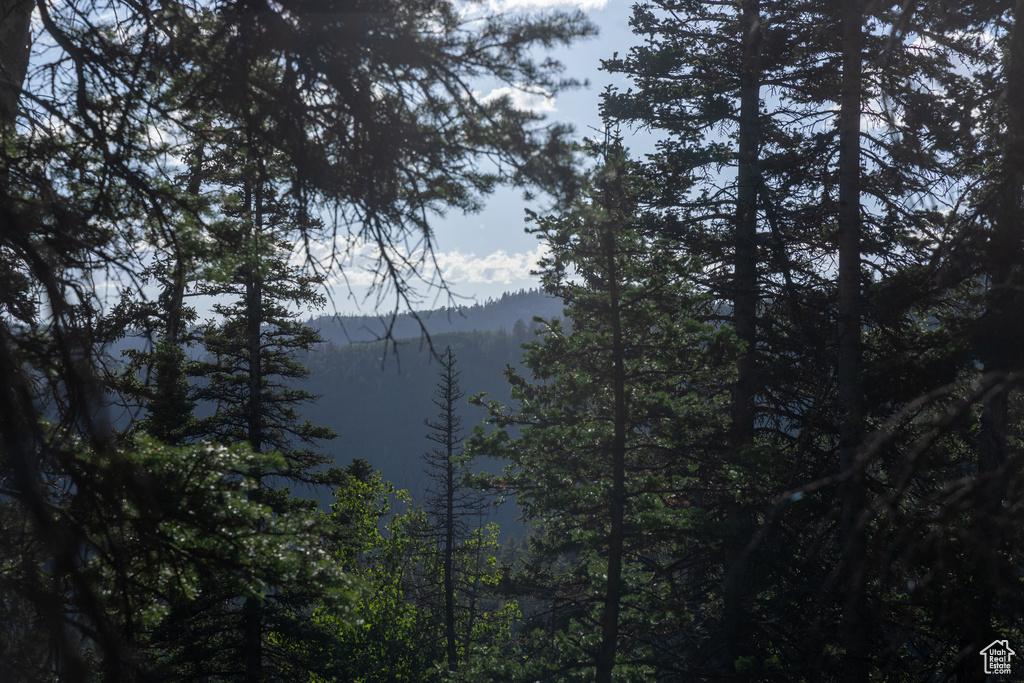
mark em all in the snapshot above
pixel 452 504
pixel 831 357
pixel 618 418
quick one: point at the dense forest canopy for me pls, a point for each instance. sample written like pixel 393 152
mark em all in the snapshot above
pixel 774 436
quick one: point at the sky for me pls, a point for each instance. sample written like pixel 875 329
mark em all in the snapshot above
pixel 483 255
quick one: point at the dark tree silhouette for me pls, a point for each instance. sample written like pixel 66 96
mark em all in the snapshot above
pixel 373 106
pixel 614 419
pixel 455 507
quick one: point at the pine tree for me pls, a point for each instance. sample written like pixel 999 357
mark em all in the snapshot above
pixel 615 421
pixel 455 509
pixel 248 376
pixel 977 542
pixel 153 383
pixel 889 153
pixel 250 370
pixel 729 168
pixel 155 378
pixel 370 103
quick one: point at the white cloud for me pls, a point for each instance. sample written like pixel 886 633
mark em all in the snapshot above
pixel 524 98
pixel 499 267
pixel 350 260
pixel 358 260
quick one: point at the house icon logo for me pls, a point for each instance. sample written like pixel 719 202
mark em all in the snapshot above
pixel 997 657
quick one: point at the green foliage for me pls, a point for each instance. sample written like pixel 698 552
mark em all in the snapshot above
pixel 367 108
pixel 170 406
pixel 625 287
pixel 389 639
pixel 918 188
pixel 248 376
pixel 165 560
pixel 226 371
pixel 161 526
pixel 394 633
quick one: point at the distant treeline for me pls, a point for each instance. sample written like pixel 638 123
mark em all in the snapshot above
pixel 494 314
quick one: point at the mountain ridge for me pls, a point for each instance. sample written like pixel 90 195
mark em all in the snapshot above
pixel 489 316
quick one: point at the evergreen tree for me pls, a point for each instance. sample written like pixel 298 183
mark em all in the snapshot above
pixel 863 179
pixel 456 511
pixel 248 377
pixel 399 630
pixel 618 421
pixel 371 103
pixel 451 502
pixel 155 377
pixel 730 168
pixel 160 525
pixel 250 370
pixel 977 542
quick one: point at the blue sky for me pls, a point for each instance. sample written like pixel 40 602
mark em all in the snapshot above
pixel 483 255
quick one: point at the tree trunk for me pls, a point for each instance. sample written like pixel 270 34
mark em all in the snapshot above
pixel 175 293
pixel 736 623
pixel 253 640
pixel 855 611
pixel 1002 332
pixel 254 319
pixel 613 585
pixel 15 34
pixel 169 408
pixel 449 540
pixel 254 322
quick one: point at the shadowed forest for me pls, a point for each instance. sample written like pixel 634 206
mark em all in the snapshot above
pixel 772 433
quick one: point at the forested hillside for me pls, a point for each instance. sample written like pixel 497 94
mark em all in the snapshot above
pixel 376 398
pixel 770 427
pixel 503 313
